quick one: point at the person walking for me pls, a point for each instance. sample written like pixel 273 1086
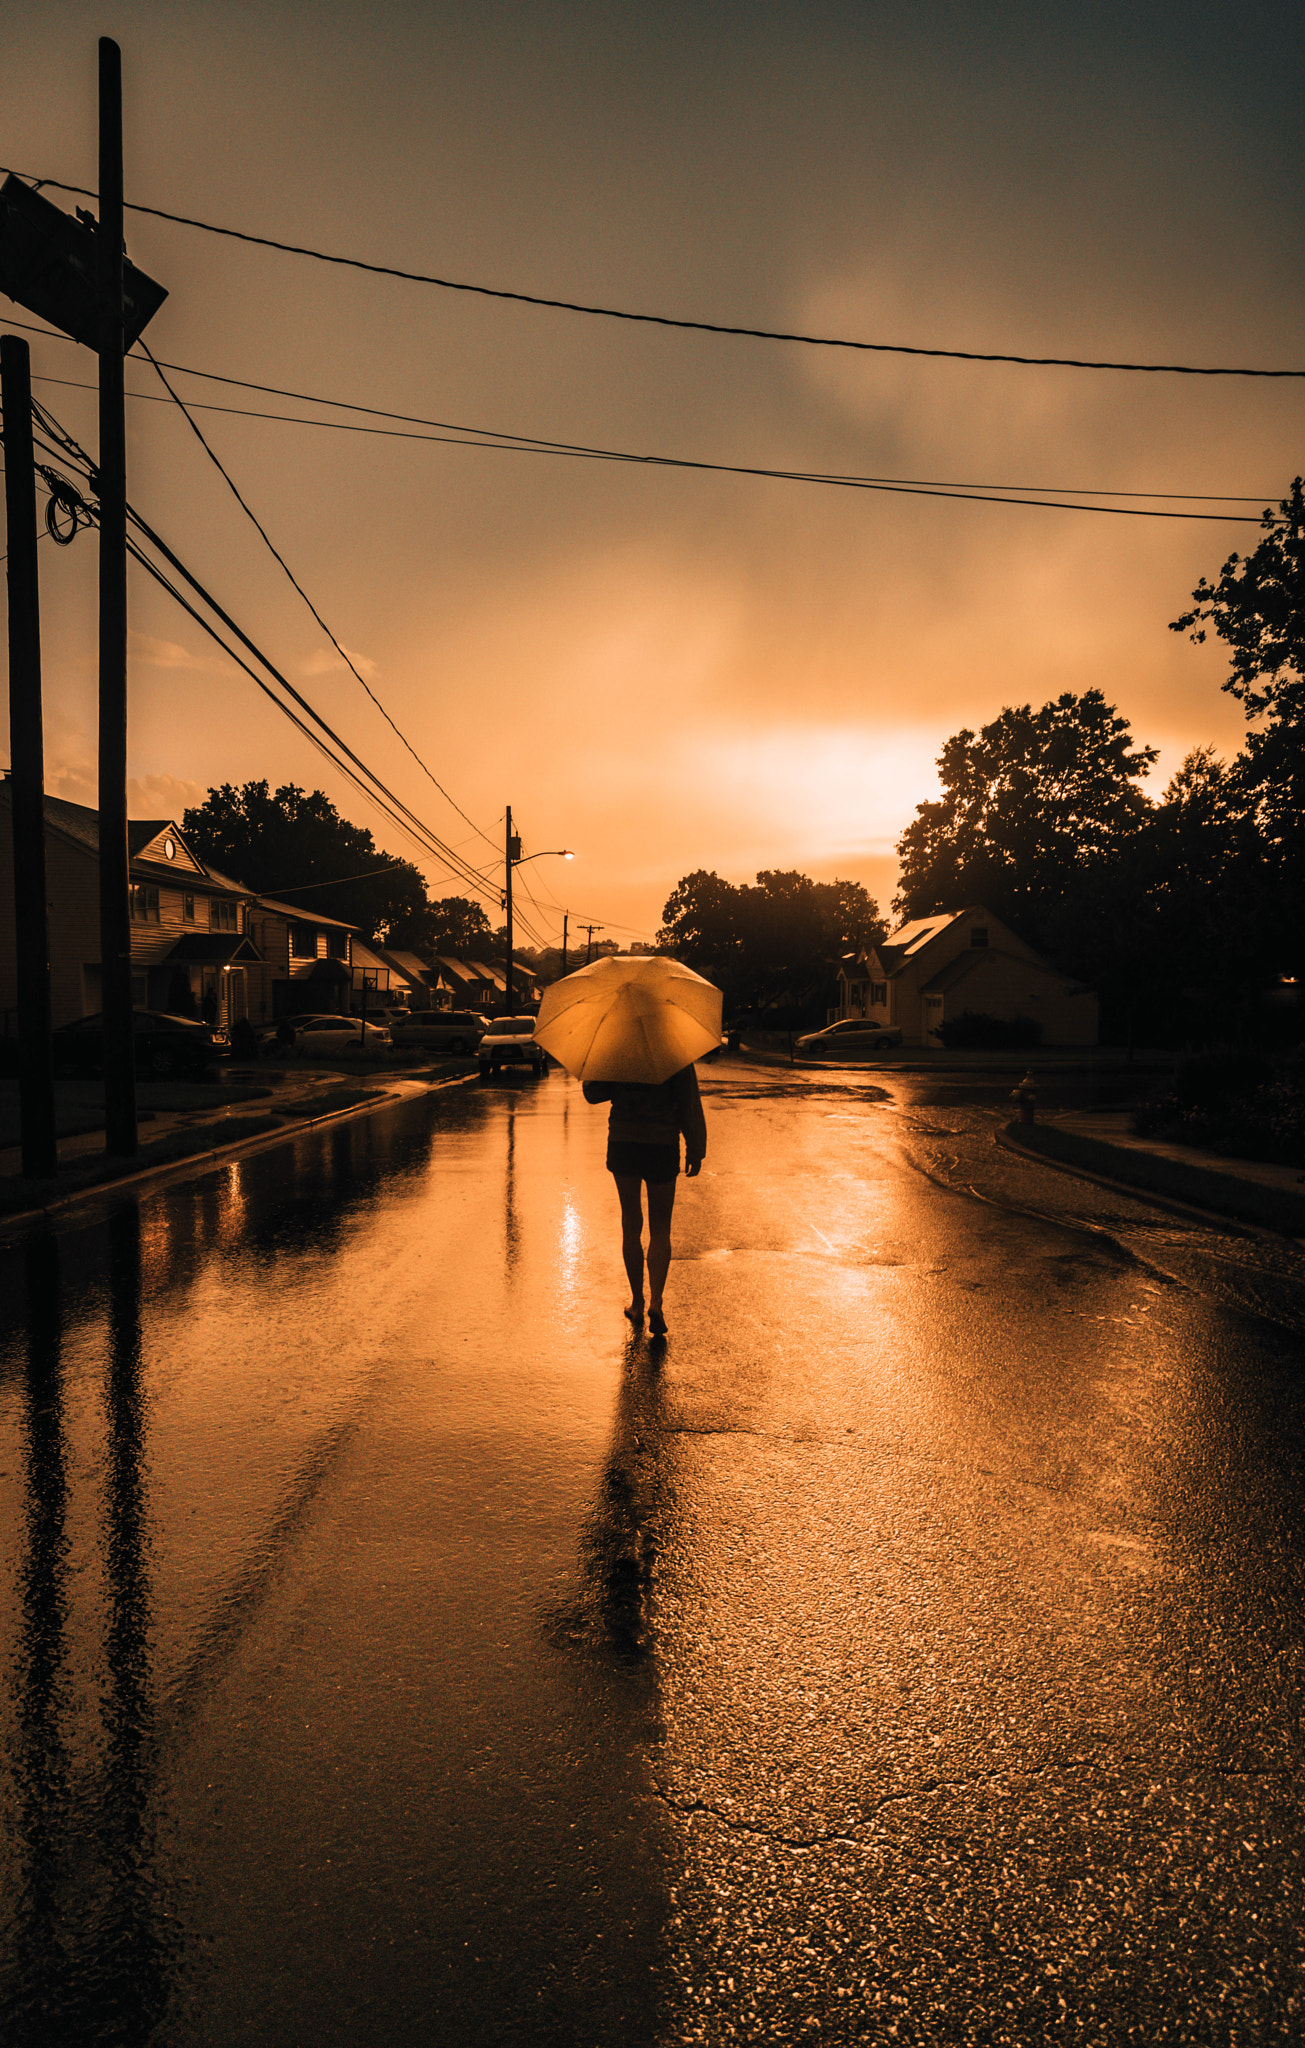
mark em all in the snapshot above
pixel 644 1130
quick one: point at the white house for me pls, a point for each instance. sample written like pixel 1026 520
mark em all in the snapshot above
pixel 938 967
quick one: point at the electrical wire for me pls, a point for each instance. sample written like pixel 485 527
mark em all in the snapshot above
pixel 297 585
pixel 352 766
pixel 502 441
pixel 458 865
pixel 962 355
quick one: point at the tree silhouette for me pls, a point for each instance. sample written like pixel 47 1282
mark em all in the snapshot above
pixel 291 845
pixel 1258 609
pixel 1031 804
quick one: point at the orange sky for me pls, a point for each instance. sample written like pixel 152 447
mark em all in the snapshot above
pixel 669 670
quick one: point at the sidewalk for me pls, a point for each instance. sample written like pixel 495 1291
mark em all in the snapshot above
pixel 1100 1145
pixel 187 1123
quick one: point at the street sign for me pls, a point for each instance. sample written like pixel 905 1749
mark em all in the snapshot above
pixel 50 265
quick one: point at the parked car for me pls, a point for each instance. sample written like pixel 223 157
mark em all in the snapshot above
pixel 388 1014
pixel 164 1044
pixel 510 1042
pixel 451 1031
pixel 850 1034
pixel 330 1035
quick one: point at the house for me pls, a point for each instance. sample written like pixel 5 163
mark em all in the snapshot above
pixel 426 987
pixel 309 957
pixel 202 944
pixel 936 968
pixel 192 949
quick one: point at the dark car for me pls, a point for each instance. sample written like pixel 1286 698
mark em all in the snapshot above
pixel 850 1034
pixel 164 1045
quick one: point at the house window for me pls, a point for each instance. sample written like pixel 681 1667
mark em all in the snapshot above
pixel 978 934
pixel 188 909
pixel 879 995
pixel 303 942
pixel 221 914
pixel 337 945
pixel 144 902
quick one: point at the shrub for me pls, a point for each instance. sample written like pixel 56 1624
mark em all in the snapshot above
pixel 973 1028
pixel 1242 1105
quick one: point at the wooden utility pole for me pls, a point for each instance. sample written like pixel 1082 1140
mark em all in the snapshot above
pixel 115 916
pixel 565 915
pixel 27 780
pixel 512 856
pixel 589 949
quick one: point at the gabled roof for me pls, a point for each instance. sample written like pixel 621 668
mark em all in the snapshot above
pixel 214 948
pixel 299 914
pixel 80 823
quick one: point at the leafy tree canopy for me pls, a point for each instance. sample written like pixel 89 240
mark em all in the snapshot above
pixel 1029 803
pixel 1258 609
pixel 297 847
pixel 458 925
pixel 787 929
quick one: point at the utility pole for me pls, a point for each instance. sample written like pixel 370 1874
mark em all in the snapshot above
pixel 115 918
pixel 565 915
pixel 512 854
pixel 40 1158
pixel 589 949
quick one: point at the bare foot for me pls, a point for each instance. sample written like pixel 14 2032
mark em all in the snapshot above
pixel 634 1314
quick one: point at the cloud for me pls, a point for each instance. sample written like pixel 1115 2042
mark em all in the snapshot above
pixel 155 653
pixel 71 767
pixel 327 662
pixel 162 796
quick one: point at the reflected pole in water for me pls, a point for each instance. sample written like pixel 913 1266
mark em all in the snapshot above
pixel 43 1765
pixel 133 1961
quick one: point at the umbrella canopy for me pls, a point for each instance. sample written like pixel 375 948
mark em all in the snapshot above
pixel 629 1017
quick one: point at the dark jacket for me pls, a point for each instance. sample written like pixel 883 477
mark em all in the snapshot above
pixel 646 1115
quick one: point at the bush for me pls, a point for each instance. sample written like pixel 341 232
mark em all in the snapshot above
pixel 1243 1105
pixel 973 1028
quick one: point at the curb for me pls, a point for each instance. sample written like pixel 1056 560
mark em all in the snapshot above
pixel 1191 1190
pixel 177 1169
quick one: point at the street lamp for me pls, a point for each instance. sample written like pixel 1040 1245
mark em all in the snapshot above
pixel 514 858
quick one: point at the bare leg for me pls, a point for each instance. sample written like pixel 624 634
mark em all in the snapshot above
pixel 630 1189
pixel 661 1201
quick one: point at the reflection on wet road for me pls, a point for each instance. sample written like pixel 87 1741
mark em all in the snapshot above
pixel 910 1649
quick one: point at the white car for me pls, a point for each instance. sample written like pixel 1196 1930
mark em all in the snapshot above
pixel 510 1042
pixel 850 1034
pixel 333 1035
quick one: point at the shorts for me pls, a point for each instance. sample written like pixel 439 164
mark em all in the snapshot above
pixel 656 1164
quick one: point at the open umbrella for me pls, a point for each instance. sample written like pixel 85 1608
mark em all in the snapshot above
pixel 629 1017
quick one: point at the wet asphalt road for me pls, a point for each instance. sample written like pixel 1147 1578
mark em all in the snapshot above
pixel 395 1651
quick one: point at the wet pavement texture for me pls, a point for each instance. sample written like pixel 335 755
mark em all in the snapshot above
pixel 397 1649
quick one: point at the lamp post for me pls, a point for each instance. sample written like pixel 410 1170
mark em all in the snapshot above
pixel 514 858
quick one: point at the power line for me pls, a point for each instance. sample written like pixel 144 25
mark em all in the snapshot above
pixel 962 355
pixel 280 558
pixel 429 842
pixel 996 494
pixel 504 440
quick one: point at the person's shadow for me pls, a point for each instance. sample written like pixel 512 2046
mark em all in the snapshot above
pixel 611 1613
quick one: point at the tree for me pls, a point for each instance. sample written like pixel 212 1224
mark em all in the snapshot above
pixel 458 925
pixel 1258 609
pixel 783 934
pixel 298 847
pixel 1031 805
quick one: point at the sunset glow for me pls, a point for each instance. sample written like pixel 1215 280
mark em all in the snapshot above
pixel 671 669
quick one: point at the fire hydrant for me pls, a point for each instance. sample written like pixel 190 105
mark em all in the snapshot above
pixel 1025 1098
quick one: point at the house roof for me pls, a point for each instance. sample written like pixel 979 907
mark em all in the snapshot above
pixel 407 964
pixel 300 915
pixel 214 948
pixel 81 824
